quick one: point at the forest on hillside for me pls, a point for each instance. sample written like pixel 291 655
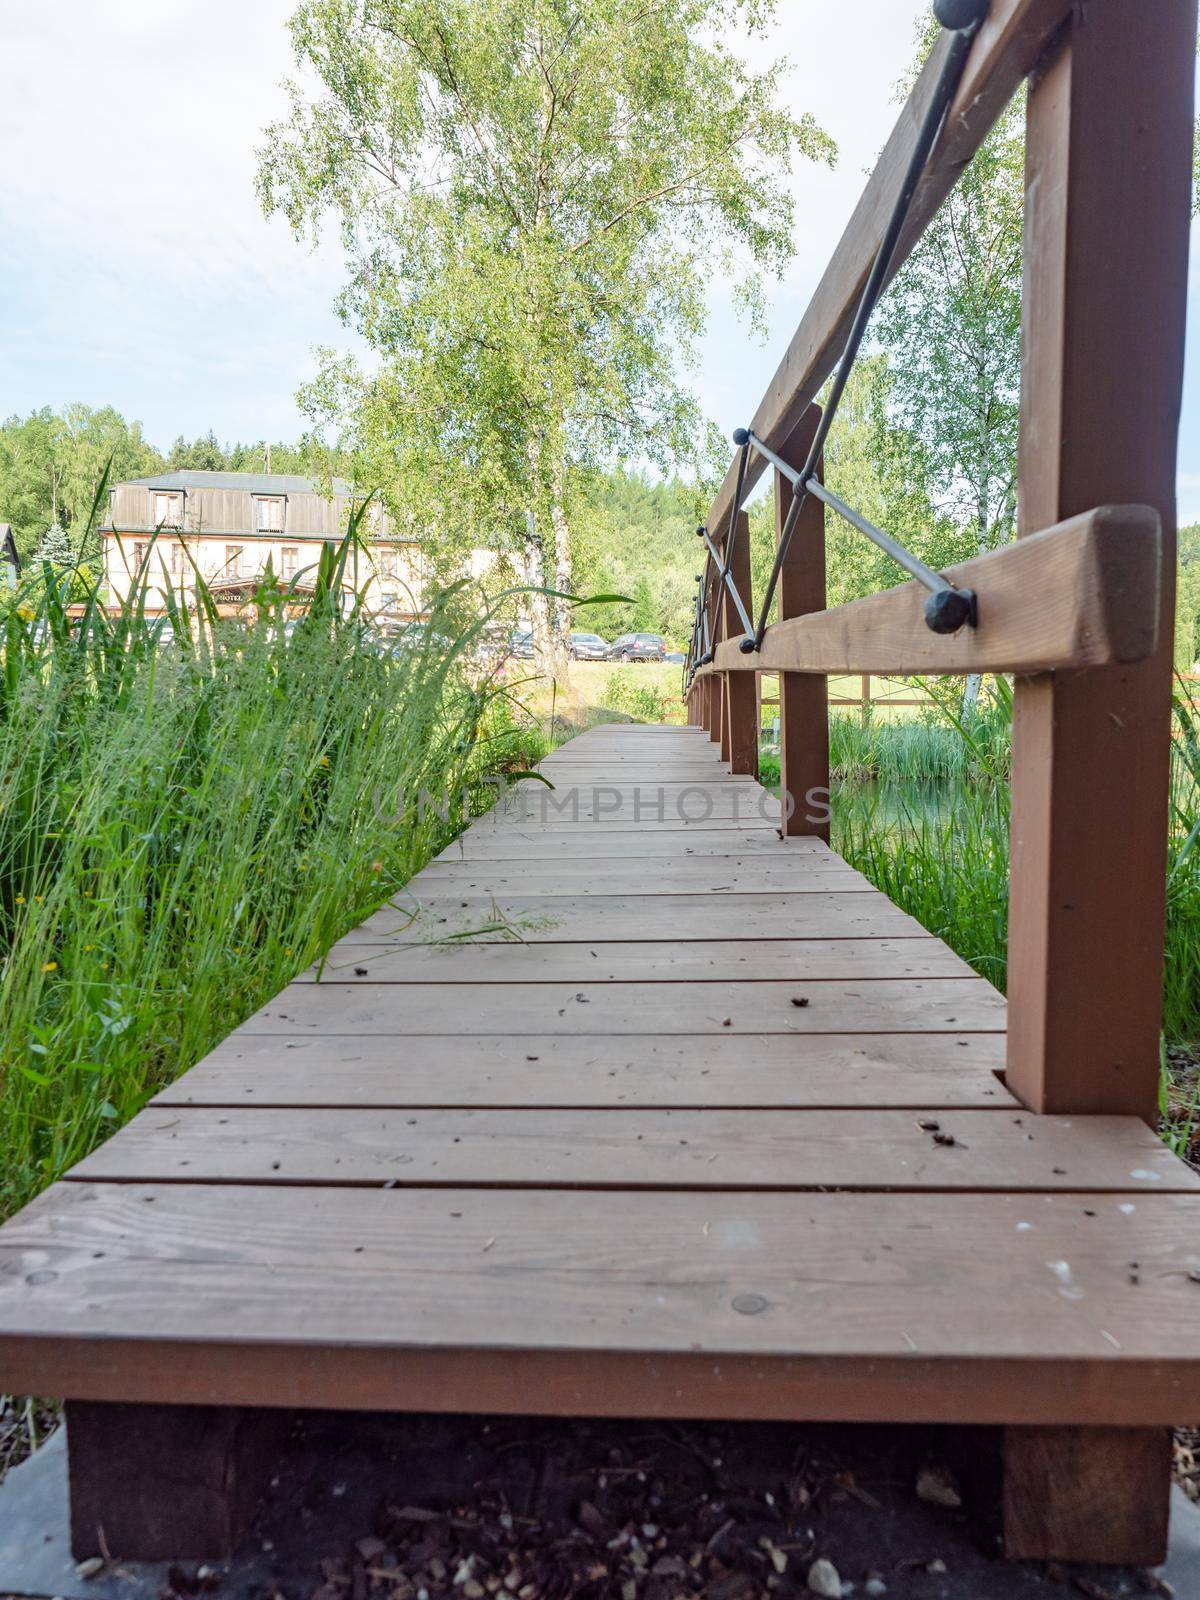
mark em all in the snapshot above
pixel 633 531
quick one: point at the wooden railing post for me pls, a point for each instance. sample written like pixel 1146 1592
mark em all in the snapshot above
pixel 803 696
pixel 1106 242
pixel 716 699
pixel 739 727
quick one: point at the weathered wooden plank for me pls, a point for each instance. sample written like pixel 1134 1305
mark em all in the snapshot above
pixel 748 960
pixel 1009 44
pixel 541 919
pixel 820 1070
pixel 651 875
pixel 641 1149
pixel 669 803
pixel 643 818
pixel 834 1289
pixel 635 775
pixel 1082 594
pixel 910 1005
pixel 541 842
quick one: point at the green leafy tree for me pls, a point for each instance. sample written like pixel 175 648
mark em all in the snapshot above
pixel 629 529
pixel 51 463
pixel 951 327
pixel 205 454
pixel 533 196
pixel 645 610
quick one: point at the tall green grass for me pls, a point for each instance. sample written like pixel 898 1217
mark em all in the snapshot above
pixel 925 815
pixel 186 822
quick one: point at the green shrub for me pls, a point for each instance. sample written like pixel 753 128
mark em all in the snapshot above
pixel 643 701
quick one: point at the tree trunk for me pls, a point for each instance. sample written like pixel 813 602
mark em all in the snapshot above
pixel 563 580
pixel 534 576
pixel 971 687
pixel 548 537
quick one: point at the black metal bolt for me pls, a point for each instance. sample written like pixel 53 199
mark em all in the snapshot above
pixel 741 436
pixel 747 646
pixel 948 610
pixel 959 14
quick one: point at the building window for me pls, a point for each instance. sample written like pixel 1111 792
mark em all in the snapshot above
pixel 178 560
pixel 140 548
pixel 235 561
pixel 270 514
pixel 386 563
pixel 168 510
pixel 289 560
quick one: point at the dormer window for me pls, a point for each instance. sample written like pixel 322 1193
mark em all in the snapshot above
pixel 270 513
pixel 167 510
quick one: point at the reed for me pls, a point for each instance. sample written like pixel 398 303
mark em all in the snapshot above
pixel 194 808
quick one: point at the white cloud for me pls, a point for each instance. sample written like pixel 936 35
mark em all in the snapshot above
pixel 136 268
pixel 135 265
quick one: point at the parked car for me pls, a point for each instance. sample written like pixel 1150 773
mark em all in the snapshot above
pixel 676 656
pixel 638 647
pixel 587 647
pixel 414 636
pixel 520 645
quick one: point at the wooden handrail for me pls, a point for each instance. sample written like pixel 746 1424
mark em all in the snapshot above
pixel 1012 38
pixel 1082 594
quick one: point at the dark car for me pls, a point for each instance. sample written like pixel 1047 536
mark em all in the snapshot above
pixel 520 645
pixel 675 656
pixel 587 647
pixel 638 647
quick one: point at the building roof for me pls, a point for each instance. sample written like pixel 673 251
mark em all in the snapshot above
pixel 254 482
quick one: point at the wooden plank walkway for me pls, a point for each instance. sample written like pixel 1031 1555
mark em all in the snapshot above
pixel 696 1122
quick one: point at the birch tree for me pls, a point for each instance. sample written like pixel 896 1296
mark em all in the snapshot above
pixel 951 327
pixel 532 196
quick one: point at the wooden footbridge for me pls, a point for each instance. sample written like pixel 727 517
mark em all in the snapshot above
pixel 645 1103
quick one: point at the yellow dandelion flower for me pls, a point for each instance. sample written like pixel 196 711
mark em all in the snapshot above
pixel 20 899
pixel 89 947
pixel 49 966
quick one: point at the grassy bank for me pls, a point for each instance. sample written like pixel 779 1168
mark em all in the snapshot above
pixel 185 824
pixel 924 813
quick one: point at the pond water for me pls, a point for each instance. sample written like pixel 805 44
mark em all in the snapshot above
pixel 893 806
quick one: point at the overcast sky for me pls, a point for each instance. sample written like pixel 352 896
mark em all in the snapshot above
pixel 136 269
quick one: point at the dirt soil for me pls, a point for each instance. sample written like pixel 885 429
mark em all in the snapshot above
pixel 452 1508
